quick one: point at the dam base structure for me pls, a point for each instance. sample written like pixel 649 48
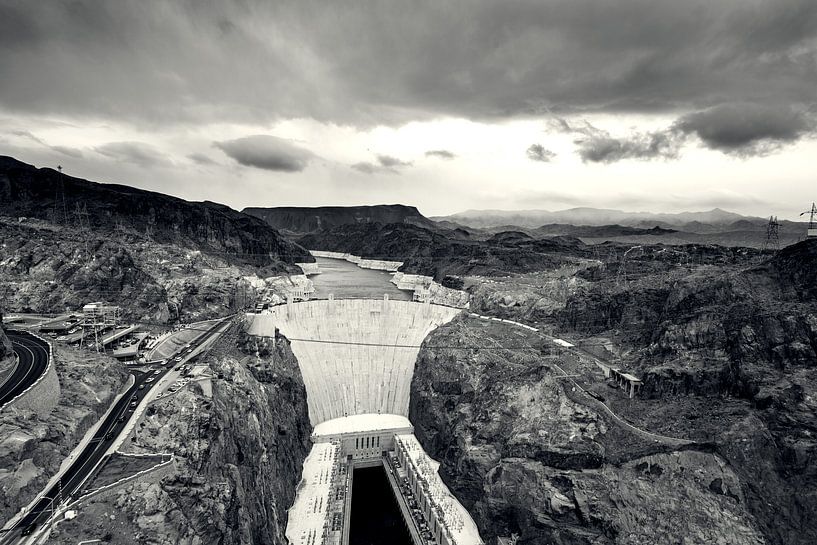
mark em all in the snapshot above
pixel 357 360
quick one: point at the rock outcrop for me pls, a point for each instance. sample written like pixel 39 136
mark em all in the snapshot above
pixel 45 269
pixel 32 447
pixel 240 445
pixel 529 455
pixel 6 355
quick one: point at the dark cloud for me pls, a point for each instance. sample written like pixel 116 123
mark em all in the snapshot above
pixel 604 148
pixel 595 145
pixel 385 164
pixel 388 161
pixel 29 136
pixel 441 154
pixel 201 159
pixel 68 152
pixel 137 153
pixel 64 150
pixel 389 61
pixel 537 152
pixel 742 129
pixel 746 129
pixel 267 152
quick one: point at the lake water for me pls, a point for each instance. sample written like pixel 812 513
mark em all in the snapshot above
pixel 346 280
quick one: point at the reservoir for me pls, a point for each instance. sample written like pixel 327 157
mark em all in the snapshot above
pixel 348 281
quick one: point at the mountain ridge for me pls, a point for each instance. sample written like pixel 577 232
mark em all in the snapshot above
pixel 70 202
pixel 309 219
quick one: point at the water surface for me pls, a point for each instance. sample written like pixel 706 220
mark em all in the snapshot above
pixel 346 280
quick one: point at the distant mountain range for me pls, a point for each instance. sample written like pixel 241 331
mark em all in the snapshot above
pixel 482 219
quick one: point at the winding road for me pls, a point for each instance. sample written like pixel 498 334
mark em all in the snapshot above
pixel 33 361
pixel 70 484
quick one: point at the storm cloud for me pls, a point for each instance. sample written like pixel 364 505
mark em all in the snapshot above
pixel 169 62
pixel 138 153
pixel 746 129
pixel 266 152
pixel 741 129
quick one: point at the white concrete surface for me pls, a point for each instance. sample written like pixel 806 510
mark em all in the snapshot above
pixel 460 527
pixel 356 356
pixel 309 512
pixel 361 423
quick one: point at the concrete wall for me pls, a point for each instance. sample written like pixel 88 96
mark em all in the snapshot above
pixel 44 394
pixel 355 368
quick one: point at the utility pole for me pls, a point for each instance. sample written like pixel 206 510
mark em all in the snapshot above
pixel 62 190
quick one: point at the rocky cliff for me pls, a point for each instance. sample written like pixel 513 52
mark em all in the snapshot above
pixel 240 444
pixel 47 269
pixel 297 219
pixel 33 447
pixel 728 354
pixel 26 191
pixel 530 455
pixel 439 253
pixel 6 355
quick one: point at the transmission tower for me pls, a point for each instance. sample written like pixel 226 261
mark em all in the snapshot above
pixel 772 238
pixel 812 222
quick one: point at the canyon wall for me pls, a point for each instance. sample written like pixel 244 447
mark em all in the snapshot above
pixel 529 455
pixel 239 443
pixel 33 446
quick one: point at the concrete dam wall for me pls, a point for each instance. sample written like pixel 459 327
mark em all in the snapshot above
pixel 356 356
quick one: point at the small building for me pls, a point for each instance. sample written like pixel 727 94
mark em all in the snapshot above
pixel 627 382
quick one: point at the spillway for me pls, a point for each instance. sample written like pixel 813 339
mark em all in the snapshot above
pixel 357 359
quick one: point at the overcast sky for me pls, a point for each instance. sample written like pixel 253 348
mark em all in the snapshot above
pixel 446 105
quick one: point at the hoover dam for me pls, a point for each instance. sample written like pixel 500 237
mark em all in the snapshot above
pixel 357 360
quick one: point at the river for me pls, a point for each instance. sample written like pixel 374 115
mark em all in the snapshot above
pixel 346 280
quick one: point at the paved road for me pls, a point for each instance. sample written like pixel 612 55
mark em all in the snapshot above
pixel 33 361
pixel 70 484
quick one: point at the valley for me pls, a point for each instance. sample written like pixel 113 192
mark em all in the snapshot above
pixel 552 389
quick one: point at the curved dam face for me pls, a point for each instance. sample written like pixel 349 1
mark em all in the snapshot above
pixel 356 356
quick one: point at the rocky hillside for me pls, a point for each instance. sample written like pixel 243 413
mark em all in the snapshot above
pixel 728 354
pixel 301 220
pixel 240 446
pixel 434 253
pixel 47 269
pixel 44 193
pixel 32 448
pixel 530 455
pixel 6 355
